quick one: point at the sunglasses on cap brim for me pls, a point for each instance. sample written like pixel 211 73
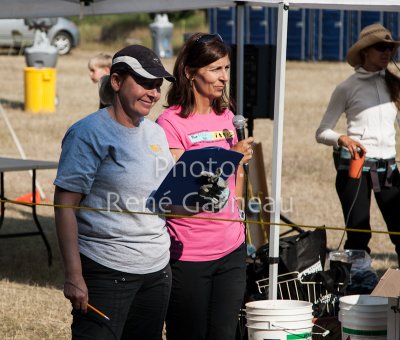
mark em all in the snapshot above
pixel 382 47
pixel 208 37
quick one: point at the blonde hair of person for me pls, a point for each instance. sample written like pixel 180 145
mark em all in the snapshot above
pixel 101 60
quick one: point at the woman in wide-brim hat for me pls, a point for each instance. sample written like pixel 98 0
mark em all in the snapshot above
pixel 370 98
pixel 369 36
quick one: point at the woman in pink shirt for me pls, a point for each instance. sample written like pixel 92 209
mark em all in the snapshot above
pixel 207 256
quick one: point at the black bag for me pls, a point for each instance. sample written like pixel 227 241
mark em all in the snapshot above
pixel 297 253
pixel 302 252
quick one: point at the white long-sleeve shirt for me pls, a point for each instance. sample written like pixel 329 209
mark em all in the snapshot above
pixel 370 113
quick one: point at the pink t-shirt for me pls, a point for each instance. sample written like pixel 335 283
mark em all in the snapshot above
pixel 193 239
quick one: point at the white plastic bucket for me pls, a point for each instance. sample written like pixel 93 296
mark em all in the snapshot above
pixel 363 317
pixel 278 307
pixel 299 317
pixel 279 320
pixel 277 324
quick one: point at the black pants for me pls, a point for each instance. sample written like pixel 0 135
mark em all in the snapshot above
pixel 136 304
pixel 388 200
pixel 206 298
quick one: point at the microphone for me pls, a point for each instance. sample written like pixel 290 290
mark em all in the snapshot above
pixel 239 123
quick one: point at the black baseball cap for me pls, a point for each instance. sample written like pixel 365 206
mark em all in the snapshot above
pixel 139 61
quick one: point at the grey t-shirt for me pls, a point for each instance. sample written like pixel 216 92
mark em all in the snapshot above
pixel 117 168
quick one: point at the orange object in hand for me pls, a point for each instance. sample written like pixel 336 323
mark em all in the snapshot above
pixel 356 166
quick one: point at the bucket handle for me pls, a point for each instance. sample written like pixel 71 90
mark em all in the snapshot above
pixel 324 334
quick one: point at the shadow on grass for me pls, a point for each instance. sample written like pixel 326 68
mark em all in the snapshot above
pixel 24 259
pixel 13 104
pixel 384 257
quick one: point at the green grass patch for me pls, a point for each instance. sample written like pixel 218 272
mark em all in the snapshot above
pixel 127 28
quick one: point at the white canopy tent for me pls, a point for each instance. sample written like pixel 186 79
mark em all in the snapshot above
pixel 48 8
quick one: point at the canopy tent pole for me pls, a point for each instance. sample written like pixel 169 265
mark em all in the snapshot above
pixel 239 56
pixel 277 147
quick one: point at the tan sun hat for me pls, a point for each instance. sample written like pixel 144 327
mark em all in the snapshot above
pixel 369 35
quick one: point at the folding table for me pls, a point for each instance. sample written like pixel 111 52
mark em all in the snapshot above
pixel 15 164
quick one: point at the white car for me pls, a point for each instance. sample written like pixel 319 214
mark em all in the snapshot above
pixel 63 34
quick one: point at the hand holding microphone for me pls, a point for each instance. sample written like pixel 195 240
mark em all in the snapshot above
pixel 244 145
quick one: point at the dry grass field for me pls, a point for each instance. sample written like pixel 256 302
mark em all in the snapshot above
pixel 32 305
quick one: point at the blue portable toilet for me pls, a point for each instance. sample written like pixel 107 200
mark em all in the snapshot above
pixel 391 22
pixel 222 21
pixel 297 44
pixel 370 17
pixel 332 27
pixel 353 28
pixel 312 34
pixel 357 20
pixel 273 22
pixel 360 19
pixel 212 19
pixel 258 25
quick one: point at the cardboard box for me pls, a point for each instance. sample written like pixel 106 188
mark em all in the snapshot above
pixel 389 286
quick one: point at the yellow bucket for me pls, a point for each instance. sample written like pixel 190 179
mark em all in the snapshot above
pixel 40 89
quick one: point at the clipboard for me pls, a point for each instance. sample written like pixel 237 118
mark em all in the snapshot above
pixel 180 187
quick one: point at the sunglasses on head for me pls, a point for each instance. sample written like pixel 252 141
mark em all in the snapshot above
pixel 382 46
pixel 208 37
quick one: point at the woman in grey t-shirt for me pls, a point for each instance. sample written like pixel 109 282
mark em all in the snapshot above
pixel 113 160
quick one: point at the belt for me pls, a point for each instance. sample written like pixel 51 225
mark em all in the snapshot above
pixel 374 166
